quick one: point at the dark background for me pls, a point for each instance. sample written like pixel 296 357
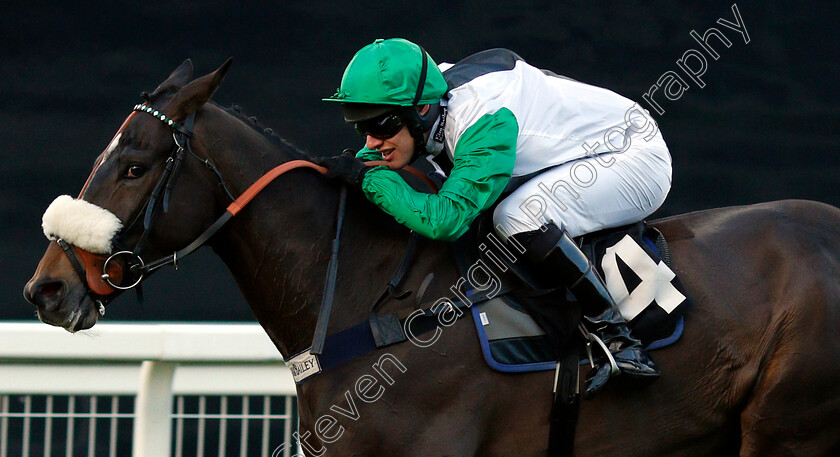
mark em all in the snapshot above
pixel 763 128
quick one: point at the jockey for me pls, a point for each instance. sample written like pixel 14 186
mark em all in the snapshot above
pixel 589 158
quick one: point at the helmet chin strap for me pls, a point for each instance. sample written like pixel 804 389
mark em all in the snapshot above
pixel 429 140
pixel 411 115
pixel 419 145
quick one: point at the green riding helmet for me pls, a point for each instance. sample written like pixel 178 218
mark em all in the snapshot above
pixel 386 75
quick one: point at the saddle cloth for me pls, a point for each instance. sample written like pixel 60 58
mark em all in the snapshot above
pixel 633 260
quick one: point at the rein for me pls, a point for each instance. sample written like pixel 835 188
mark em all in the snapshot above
pixel 111 271
pixel 232 210
pixel 182 135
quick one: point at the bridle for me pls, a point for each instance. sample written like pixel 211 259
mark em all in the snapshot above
pixel 181 134
pixel 103 288
pixel 159 200
pixel 109 270
pixel 104 284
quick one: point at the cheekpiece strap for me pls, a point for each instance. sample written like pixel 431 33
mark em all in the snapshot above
pixel 163 118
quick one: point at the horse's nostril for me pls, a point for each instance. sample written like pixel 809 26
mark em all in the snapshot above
pixel 50 289
pixel 46 295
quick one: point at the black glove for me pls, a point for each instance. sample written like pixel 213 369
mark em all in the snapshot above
pixel 345 167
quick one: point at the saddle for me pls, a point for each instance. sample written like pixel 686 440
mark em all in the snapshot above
pixel 525 325
pixel 531 326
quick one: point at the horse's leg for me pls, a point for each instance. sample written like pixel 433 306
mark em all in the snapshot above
pixel 773 302
pixel 795 405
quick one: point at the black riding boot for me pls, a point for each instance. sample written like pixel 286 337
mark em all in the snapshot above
pixel 554 251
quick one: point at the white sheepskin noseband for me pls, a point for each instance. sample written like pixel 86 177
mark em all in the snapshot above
pixel 81 224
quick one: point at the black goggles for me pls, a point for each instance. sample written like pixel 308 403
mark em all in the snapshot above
pixel 382 127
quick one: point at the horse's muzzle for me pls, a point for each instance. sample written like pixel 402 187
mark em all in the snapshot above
pixel 59 296
pixel 58 305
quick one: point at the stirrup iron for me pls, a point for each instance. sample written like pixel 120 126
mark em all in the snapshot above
pixel 593 338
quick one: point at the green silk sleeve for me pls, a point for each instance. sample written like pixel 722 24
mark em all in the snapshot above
pixel 368 155
pixel 482 166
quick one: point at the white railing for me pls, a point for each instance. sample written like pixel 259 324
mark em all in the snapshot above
pixel 162 368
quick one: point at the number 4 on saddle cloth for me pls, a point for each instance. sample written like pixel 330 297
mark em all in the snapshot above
pixel 520 329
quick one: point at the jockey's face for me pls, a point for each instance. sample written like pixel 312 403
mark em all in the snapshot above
pixel 396 150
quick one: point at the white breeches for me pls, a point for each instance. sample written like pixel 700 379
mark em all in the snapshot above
pixel 593 193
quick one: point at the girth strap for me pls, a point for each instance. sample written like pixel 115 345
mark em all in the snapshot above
pixel 378 332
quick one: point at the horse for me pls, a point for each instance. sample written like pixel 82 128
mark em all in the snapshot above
pixel 755 374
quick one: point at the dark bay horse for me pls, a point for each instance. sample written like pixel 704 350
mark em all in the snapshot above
pixel 757 372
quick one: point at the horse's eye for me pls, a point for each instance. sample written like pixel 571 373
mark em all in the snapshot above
pixel 135 171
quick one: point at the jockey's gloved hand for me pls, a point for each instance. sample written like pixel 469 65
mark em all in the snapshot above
pixel 345 167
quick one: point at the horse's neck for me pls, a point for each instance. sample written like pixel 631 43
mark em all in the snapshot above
pixel 278 248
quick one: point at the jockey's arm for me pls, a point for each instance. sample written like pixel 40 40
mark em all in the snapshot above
pixel 483 162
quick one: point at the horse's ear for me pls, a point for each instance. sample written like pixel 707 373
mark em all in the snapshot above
pixel 178 79
pixel 195 94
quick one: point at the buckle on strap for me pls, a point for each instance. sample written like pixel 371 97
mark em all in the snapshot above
pixel 386 329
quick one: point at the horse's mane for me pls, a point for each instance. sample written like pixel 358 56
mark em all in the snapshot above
pixel 266 132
